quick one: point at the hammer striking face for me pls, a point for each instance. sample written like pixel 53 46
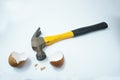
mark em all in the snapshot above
pixel 38 43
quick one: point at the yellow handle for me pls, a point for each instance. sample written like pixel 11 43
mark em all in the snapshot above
pixel 52 39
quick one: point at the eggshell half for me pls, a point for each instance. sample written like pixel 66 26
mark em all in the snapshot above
pixel 16 59
pixel 57 59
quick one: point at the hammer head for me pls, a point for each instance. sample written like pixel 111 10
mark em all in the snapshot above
pixel 38 44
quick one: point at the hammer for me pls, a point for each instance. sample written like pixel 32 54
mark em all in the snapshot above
pixel 38 43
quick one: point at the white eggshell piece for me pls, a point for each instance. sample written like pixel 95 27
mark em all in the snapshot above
pixel 19 56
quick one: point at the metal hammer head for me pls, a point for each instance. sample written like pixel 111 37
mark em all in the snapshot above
pixel 38 44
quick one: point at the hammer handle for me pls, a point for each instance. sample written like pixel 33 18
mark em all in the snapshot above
pixel 80 31
pixel 88 29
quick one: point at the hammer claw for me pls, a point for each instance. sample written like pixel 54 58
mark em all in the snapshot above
pixel 37 33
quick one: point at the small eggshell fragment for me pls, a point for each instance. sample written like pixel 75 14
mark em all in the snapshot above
pixel 42 68
pixel 16 59
pixel 57 59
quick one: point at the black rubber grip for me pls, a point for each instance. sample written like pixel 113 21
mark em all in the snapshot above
pixel 84 30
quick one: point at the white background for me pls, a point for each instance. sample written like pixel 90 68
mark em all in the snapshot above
pixel 95 56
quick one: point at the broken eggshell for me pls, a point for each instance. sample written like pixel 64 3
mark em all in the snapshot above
pixel 57 59
pixel 17 59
